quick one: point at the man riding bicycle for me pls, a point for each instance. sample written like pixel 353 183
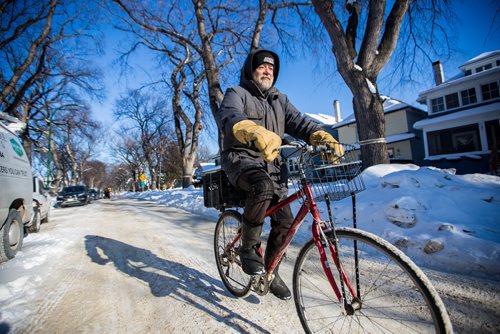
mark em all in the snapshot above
pixel 253 117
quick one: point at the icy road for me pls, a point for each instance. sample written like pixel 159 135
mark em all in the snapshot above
pixel 129 266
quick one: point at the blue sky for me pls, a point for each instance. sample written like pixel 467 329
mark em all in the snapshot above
pixel 313 92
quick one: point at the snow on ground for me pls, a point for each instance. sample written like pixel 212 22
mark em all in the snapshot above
pixel 441 220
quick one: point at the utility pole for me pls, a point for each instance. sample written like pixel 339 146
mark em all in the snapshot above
pixel 49 143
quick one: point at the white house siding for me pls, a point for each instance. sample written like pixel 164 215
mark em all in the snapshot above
pixel 400 150
pixel 479 115
pixel 458 85
pixel 396 123
pixel 348 134
pixel 461 137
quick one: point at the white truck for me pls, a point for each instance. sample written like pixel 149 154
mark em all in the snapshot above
pixel 16 189
pixel 42 202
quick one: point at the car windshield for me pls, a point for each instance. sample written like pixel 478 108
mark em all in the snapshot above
pixel 74 189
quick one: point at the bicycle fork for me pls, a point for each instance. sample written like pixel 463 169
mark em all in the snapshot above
pixel 323 244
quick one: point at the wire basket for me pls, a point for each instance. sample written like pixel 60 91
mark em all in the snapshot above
pixel 331 175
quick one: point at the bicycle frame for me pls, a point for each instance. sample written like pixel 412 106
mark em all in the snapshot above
pixel 308 206
pixel 355 263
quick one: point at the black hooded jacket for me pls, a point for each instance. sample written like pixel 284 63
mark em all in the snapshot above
pixel 271 110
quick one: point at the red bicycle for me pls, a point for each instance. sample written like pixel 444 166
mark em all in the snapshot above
pixel 345 280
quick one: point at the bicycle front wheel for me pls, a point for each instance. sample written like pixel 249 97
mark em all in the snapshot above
pixel 226 253
pixel 394 295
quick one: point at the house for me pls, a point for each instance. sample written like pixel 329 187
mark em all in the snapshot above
pixel 462 128
pixel 404 143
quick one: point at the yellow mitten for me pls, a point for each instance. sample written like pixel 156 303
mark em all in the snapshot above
pixel 323 137
pixel 267 142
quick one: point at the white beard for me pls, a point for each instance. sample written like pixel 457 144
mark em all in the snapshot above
pixel 263 83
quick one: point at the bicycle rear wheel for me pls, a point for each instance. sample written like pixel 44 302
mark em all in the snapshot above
pixel 395 295
pixel 226 256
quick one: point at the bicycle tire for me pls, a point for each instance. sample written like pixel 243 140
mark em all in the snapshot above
pixel 228 263
pixel 395 294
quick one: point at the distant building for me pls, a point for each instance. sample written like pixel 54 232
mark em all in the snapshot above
pixel 463 116
pixel 404 143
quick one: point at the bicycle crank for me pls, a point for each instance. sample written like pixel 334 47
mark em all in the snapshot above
pixel 260 284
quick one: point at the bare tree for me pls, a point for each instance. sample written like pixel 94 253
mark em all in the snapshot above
pixel 146 116
pixel 43 46
pixel 172 170
pixel 94 173
pixel 29 22
pixel 183 34
pixel 76 132
pixel 119 177
pixel 274 8
pixel 361 59
pixel 129 152
pixel 201 38
pixel 37 37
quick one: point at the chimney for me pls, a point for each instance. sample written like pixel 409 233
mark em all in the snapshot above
pixel 336 108
pixel 437 68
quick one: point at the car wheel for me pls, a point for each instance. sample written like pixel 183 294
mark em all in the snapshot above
pixel 11 236
pixel 47 218
pixel 37 221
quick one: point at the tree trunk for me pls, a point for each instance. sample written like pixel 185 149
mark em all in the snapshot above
pixel 187 170
pixel 152 172
pixel 213 78
pixel 56 181
pixel 370 122
pixel 360 73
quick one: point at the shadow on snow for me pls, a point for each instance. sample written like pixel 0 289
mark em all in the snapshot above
pixel 165 277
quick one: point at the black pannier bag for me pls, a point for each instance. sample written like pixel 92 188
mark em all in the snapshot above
pixel 219 193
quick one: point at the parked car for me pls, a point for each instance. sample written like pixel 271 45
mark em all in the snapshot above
pixel 94 194
pixel 16 184
pixel 73 195
pixel 42 201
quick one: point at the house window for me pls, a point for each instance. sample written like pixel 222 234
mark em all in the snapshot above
pixel 468 72
pixel 454 140
pixel 483 68
pixel 490 91
pixel 452 101
pixel 498 62
pixel 468 96
pixel 437 104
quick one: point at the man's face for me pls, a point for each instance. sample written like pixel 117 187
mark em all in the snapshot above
pixel 264 76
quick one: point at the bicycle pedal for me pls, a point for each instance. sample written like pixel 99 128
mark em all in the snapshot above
pixel 260 284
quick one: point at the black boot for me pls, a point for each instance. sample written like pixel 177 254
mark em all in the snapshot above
pixel 251 259
pixel 277 287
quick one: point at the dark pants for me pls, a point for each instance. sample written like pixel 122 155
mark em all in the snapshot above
pixel 261 195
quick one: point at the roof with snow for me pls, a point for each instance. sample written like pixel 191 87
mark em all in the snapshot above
pixel 460 77
pixel 481 57
pixel 323 118
pixel 389 105
pixel 490 109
